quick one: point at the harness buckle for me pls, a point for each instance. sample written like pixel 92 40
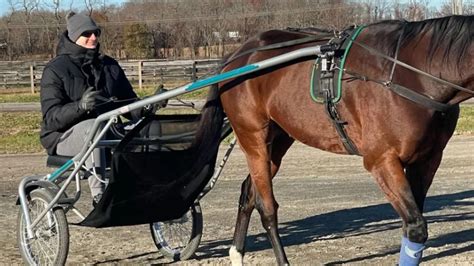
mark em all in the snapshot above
pixel 387 83
pixel 324 64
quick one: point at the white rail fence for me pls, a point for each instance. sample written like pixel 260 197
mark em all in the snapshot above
pixel 27 74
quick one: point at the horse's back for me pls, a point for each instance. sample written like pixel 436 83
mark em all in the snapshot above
pixel 280 94
pixel 276 36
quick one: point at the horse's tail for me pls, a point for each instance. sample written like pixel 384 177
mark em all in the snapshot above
pixel 206 142
pixel 209 130
pixel 205 146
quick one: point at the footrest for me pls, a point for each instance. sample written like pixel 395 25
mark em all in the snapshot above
pixel 57 160
pixel 67 201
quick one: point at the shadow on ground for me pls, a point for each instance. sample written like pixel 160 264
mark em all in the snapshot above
pixel 361 221
pixel 354 222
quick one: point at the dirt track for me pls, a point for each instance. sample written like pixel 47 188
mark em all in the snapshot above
pixel 331 212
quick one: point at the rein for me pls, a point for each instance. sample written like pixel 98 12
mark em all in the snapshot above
pixel 404 91
pixel 414 69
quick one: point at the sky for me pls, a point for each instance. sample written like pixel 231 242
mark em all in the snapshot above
pixel 79 4
pixel 65 4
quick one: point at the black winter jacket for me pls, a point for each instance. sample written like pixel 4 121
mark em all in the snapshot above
pixel 64 80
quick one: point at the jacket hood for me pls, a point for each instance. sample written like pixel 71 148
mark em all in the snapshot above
pixel 67 47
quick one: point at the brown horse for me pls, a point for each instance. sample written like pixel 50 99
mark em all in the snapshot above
pixel 401 141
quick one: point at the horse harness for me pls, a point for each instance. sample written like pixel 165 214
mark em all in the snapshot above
pixel 404 91
pixel 326 82
pixel 327 92
pixel 328 69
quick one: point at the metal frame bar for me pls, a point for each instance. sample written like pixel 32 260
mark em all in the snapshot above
pixel 111 116
pixel 79 158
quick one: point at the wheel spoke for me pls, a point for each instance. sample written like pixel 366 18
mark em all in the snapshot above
pixel 178 239
pixel 44 247
pixel 177 233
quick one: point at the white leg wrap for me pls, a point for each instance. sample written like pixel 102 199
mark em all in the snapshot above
pixel 235 257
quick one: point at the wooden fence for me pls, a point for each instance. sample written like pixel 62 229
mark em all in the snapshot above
pixel 27 74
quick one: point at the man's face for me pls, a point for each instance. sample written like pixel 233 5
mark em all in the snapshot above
pixel 89 39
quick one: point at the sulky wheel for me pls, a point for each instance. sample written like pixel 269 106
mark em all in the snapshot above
pixel 50 242
pixel 179 239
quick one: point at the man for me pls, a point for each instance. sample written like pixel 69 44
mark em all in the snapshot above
pixel 72 87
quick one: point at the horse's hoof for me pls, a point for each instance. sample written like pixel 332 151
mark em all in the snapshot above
pixel 236 257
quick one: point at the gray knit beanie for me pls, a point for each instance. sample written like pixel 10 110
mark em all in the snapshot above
pixel 77 24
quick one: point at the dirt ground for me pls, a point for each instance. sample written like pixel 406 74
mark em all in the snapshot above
pixel 331 212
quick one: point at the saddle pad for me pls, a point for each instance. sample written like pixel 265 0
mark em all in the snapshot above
pixel 333 84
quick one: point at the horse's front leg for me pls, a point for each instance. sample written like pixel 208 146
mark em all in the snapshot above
pixel 420 176
pixel 390 175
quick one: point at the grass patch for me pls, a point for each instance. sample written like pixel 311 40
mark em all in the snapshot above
pixel 465 124
pixel 25 97
pixel 19 131
pixel 19 97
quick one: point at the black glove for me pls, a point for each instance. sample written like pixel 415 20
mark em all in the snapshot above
pixel 148 110
pixel 89 99
pixel 162 103
pixel 152 108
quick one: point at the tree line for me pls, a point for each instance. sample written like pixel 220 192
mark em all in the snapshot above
pixel 188 28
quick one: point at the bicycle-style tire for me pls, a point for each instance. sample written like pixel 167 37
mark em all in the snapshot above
pixel 50 244
pixel 179 239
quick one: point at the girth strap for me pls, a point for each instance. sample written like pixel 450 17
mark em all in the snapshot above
pixel 406 93
pixel 326 79
pixel 418 98
pixel 332 113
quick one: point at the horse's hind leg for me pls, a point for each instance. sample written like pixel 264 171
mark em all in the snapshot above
pixel 246 206
pixel 247 201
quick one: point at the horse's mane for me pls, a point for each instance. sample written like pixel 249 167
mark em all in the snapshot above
pixel 450 35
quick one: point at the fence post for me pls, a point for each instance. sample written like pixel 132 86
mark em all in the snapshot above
pixel 162 76
pixel 194 72
pixel 140 64
pixel 32 78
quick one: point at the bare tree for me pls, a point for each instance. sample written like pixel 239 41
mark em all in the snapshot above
pixel 52 22
pixel 8 37
pixel 28 7
pixel 190 28
pixel 89 6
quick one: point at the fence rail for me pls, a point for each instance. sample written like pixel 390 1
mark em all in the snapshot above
pixel 21 74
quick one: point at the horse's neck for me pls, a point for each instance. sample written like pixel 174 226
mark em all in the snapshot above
pixel 458 73
pixel 466 74
pixel 447 69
